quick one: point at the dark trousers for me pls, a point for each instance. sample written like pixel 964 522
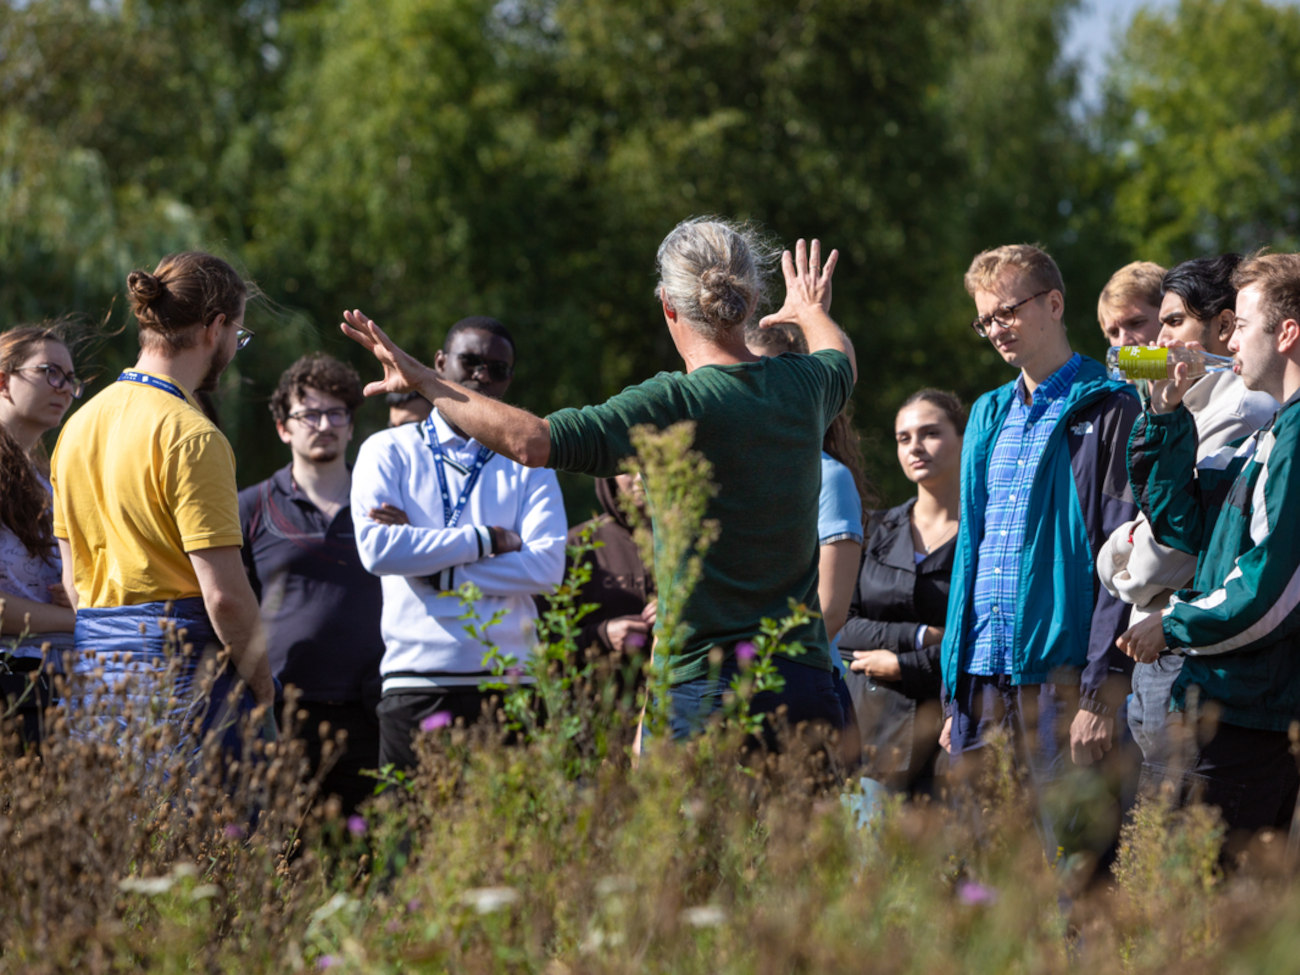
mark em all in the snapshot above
pixel 27 699
pixel 1250 774
pixel 345 778
pixel 401 712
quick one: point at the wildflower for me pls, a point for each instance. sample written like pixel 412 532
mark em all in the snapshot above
pixel 489 900
pixel 326 961
pixel 414 904
pixel 745 653
pixel 704 916
pixel 969 892
pixel 439 719
pixel 234 831
pixel 634 640
pixel 145 885
pixel 514 673
pixel 357 825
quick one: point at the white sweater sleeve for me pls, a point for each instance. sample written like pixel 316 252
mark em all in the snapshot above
pixel 539 565
pixel 382 475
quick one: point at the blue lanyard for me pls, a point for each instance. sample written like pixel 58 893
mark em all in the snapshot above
pixel 144 379
pixel 450 515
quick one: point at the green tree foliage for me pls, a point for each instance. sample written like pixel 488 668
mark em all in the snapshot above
pixel 1203 131
pixel 429 159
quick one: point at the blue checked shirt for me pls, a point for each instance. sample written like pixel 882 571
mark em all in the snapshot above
pixel 1012 466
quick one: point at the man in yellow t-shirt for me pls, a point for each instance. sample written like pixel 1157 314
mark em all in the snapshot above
pixel 145 510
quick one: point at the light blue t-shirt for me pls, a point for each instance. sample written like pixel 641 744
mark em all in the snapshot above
pixel 839 517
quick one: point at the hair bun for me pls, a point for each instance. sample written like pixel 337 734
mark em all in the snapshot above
pixel 144 287
pixel 721 297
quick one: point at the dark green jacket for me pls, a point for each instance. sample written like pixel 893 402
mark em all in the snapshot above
pixel 1239 511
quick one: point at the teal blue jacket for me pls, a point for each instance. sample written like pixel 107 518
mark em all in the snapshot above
pixel 1067 624
pixel 1238 626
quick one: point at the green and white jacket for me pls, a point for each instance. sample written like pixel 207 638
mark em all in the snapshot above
pixel 1238 511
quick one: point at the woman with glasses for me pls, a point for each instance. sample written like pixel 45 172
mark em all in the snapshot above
pixel 37 385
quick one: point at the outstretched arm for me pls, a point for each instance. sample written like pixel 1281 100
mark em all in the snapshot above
pixel 510 431
pixel 808 300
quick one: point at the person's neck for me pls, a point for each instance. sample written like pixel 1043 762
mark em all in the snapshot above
pixel 1039 371
pixel 696 350
pixel 937 502
pixel 186 366
pixel 325 483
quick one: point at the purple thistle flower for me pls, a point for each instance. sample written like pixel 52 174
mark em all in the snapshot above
pixel 969 892
pixel 745 653
pixel 234 831
pixel 439 719
pixel 357 825
pixel 514 673
pixel 634 640
pixel 325 961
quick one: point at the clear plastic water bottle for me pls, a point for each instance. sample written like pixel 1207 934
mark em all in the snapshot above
pixel 1129 362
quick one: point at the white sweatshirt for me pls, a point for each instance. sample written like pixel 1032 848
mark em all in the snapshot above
pixel 425 644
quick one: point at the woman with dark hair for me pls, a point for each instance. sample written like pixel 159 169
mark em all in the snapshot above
pixel 891 640
pixel 37 385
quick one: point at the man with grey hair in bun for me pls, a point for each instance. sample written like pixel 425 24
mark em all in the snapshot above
pixel 759 422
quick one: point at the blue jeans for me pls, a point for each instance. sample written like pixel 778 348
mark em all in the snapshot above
pixel 809 696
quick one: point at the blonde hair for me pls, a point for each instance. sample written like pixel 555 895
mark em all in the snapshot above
pixel 1139 281
pixel 1030 262
pixel 711 272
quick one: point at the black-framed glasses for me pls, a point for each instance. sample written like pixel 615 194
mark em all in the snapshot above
pixel 243 337
pixel 498 370
pixel 1004 315
pixel 57 378
pixel 337 417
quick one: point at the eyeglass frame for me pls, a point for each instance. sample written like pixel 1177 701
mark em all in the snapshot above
pixel 981 323
pixel 65 378
pixel 472 362
pixel 328 415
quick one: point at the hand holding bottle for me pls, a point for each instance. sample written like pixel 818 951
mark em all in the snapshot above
pixel 1184 370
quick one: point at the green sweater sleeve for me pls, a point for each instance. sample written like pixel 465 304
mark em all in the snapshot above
pixel 596 440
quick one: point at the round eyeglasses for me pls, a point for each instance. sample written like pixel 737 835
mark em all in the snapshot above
pixel 57 378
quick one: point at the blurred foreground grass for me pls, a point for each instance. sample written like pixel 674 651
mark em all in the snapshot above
pixel 536 846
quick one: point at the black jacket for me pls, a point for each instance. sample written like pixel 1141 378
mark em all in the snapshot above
pixel 895 595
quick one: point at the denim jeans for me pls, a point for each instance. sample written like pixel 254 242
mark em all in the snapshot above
pixel 809 696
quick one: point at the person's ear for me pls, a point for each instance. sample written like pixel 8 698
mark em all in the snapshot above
pixel 1226 322
pixel 440 363
pixel 1287 336
pixel 283 430
pixel 212 331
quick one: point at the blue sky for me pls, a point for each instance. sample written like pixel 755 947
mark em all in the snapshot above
pixel 1092 36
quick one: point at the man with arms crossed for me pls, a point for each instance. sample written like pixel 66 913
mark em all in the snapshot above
pixel 750 415
pixel 1236 626
pixel 435 508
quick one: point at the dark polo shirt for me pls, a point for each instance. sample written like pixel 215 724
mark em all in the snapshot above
pixel 320 607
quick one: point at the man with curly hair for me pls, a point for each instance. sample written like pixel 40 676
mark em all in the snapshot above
pixel 320 606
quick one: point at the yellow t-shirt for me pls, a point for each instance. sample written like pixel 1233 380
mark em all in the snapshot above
pixel 140 478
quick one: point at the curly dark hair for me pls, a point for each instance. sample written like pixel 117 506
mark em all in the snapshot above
pixel 320 372
pixel 26 509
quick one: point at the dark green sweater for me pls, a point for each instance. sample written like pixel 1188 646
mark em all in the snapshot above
pixel 761 426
